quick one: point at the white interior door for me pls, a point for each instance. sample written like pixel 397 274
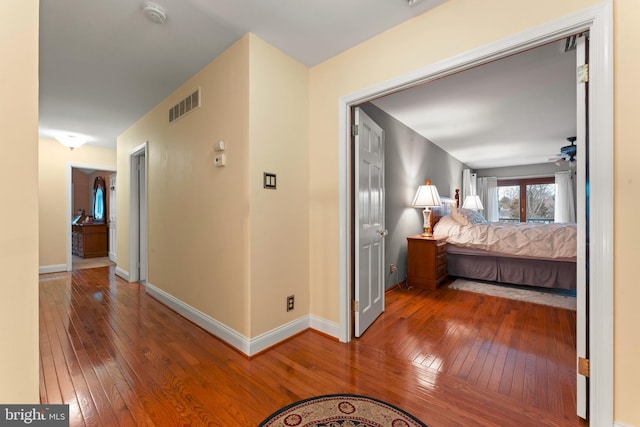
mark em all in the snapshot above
pixel 582 201
pixel 369 221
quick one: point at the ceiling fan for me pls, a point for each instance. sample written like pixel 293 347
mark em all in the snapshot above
pixel 567 153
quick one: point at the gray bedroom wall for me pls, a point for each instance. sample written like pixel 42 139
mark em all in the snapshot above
pixel 410 160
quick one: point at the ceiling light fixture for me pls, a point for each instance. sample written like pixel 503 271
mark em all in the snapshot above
pixel 413 2
pixel 156 13
pixel 71 141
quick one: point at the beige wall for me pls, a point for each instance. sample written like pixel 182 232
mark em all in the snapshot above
pixel 451 29
pixel 627 187
pixel 19 213
pixel 198 214
pixel 279 218
pixel 53 166
pixel 218 240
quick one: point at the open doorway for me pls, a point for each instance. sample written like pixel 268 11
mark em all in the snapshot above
pixel 597 21
pixel 138 214
pixel 88 206
pixel 409 160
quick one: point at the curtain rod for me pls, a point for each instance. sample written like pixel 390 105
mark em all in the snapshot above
pixel 522 176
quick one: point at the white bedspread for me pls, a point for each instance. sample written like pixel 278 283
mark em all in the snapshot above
pixel 524 239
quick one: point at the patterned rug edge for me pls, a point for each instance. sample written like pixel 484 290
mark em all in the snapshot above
pixel 514 292
pixel 273 417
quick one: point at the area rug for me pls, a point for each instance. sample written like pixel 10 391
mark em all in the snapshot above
pixel 535 296
pixel 341 410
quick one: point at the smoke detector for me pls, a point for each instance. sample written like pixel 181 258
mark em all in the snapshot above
pixel 155 12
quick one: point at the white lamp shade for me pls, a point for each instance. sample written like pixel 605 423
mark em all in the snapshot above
pixel 426 196
pixel 472 202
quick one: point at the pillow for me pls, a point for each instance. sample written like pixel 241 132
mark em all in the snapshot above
pixel 467 216
pixel 475 217
pixel 458 216
pixel 446 226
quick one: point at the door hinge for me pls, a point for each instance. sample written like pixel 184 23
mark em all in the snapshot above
pixel 583 73
pixel 354 306
pixel 354 130
pixel 583 367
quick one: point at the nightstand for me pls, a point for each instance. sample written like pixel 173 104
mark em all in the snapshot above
pixel 426 261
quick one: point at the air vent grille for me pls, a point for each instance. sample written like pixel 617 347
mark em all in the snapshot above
pixel 185 106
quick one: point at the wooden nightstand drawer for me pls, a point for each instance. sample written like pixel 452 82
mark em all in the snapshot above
pixel 426 261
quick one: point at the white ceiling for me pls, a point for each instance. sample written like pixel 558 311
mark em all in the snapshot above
pixel 103 64
pixel 515 111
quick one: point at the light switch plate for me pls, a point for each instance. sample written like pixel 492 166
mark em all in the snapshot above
pixel 269 180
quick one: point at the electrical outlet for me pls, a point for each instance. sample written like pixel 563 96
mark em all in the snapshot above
pixel 393 268
pixel 290 302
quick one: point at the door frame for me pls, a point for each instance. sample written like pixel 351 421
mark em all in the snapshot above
pixel 134 211
pixel 598 20
pixel 113 248
pixel 70 168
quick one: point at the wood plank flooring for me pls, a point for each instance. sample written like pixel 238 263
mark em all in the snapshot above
pixel 452 358
pixel 81 263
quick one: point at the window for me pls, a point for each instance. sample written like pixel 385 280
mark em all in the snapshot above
pixel 527 200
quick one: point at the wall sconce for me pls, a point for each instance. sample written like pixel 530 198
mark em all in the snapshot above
pixel 426 197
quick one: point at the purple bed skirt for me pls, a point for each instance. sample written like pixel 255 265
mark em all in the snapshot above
pixel 546 273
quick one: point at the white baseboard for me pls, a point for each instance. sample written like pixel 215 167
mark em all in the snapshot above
pixel 620 425
pixel 122 273
pixel 246 345
pixel 274 336
pixel 324 326
pixel 44 269
pixel 205 321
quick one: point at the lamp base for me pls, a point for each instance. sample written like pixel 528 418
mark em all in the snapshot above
pixel 427 232
pixel 426 225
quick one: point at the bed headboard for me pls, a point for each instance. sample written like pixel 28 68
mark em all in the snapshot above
pixel 445 208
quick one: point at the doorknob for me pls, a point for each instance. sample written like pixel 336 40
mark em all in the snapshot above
pixel 383 232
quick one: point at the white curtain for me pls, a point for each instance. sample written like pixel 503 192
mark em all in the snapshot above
pixel 488 192
pixel 468 184
pixel 565 207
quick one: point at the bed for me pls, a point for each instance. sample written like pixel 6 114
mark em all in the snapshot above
pixel 530 254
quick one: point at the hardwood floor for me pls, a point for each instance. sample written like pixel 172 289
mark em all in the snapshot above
pixel 81 263
pixel 449 357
